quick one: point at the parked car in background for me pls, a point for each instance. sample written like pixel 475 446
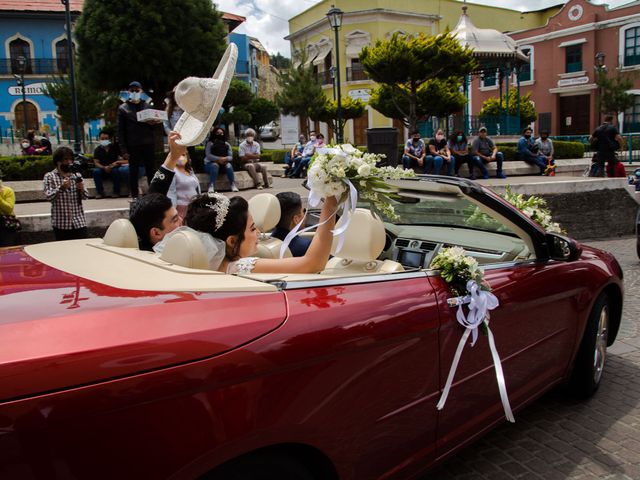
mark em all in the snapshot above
pixel 270 131
pixel 121 363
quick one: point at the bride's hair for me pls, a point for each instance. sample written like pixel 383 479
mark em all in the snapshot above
pixel 202 215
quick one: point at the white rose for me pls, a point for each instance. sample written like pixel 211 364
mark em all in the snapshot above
pixel 364 170
pixel 348 148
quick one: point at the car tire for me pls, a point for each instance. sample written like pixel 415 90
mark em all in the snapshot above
pixel 590 360
pixel 262 466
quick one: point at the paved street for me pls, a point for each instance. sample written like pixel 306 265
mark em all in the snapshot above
pixel 559 438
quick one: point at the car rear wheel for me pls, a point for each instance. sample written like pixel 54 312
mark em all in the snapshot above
pixel 262 466
pixel 590 361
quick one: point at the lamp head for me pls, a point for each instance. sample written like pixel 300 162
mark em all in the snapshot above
pixel 335 17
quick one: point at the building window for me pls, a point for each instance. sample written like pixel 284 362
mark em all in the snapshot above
pixel 632 116
pixel 62 56
pixel 573 55
pixel 527 68
pixel 20 48
pixel 489 79
pixel 631 46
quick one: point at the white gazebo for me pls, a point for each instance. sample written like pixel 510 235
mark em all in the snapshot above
pixel 497 54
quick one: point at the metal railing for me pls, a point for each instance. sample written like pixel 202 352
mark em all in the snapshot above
pixel 35 66
pixel 501 125
pixel 325 77
pixel 356 73
pixel 629 151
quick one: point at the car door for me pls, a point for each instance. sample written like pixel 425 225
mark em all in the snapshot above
pixel 374 383
pixel 534 328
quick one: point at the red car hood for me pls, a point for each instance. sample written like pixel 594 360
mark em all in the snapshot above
pixel 60 331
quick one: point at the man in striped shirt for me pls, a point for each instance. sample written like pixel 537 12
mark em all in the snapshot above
pixel 65 190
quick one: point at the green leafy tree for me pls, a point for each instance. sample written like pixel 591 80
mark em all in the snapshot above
pixel 279 61
pixel 300 93
pixel 262 111
pixel 349 107
pixel 235 104
pixel 92 103
pixel 491 107
pixel 159 45
pixel 436 97
pixel 404 66
pixel 613 96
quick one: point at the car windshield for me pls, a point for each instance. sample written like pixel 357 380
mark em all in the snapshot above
pixel 443 210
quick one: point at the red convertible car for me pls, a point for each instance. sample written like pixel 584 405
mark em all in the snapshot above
pixel 119 363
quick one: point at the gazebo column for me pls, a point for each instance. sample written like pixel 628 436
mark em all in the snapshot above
pixel 517 69
pixel 507 129
pixel 500 111
pixel 467 108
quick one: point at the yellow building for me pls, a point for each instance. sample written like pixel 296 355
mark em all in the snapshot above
pixel 366 21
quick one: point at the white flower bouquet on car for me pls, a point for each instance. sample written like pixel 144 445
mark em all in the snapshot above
pixel 344 171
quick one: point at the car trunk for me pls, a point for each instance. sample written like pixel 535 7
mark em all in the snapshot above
pixel 60 331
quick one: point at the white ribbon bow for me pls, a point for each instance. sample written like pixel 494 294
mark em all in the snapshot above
pixel 347 208
pixel 480 302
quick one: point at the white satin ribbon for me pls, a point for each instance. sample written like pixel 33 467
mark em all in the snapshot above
pixel 480 302
pixel 347 208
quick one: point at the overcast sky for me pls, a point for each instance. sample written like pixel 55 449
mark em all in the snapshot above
pixel 268 19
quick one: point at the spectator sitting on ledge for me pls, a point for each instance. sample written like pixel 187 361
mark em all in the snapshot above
pixel 527 151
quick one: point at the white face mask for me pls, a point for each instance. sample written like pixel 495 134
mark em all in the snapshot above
pixel 312 138
pixel 249 139
pixel 182 161
pixel 135 96
pixel 105 143
pixel 25 145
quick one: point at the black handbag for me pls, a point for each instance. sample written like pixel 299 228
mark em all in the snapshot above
pixel 10 222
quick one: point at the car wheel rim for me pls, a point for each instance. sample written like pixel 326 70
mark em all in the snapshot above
pixel 600 353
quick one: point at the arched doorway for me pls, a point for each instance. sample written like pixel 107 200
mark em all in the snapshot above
pixel 32 116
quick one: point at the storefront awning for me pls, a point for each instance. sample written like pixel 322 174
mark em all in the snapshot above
pixel 325 49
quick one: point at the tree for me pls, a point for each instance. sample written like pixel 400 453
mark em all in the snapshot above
pixel 279 61
pixel 350 108
pixel 239 96
pixel 613 96
pixel 92 104
pixel 406 65
pixel 124 40
pixel 262 111
pixel 491 107
pixel 435 97
pixel 301 94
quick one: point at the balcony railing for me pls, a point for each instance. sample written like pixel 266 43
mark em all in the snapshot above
pixel 34 66
pixel 325 78
pixel 356 73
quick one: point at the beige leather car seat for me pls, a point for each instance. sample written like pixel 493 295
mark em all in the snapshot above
pixel 185 249
pixel 265 210
pixel 363 243
pixel 121 233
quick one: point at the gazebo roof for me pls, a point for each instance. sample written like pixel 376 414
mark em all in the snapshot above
pixel 490 47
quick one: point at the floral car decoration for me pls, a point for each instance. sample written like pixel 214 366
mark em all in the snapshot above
pixel 535 208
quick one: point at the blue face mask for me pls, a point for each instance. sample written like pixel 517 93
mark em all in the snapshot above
pixel 459 138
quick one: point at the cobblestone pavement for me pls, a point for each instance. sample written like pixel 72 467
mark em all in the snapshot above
pixel 559 438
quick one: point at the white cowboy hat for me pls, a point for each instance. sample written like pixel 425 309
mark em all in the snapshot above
pixel 201 99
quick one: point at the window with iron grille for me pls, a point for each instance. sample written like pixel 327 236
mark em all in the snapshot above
pixel 525 69
pixel 489 79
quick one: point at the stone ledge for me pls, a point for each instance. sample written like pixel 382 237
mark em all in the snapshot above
pixel 31 190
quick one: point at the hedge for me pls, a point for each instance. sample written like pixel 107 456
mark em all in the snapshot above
pixel 33 167
pixel 561 149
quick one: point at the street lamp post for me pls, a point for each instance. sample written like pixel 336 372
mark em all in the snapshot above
pixel 22 67
pixel 335 20
pixel 72 78
pixel 600 69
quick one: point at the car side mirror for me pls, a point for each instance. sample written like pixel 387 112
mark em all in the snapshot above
pixel 563 248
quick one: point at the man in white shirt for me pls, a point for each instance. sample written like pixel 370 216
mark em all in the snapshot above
pixel 249 153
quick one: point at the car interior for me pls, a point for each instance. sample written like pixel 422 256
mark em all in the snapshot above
pixel 429 220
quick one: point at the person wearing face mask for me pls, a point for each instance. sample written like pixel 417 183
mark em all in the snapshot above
pixel 438 154
pixel 185 185
pixel 295 155
pixel 545 148
pixel 528 152
pixel 136 139
pixel 218 156
pixel 300 165
pixel 27 147
pixel 66 191
pixel 459 148
pixel 249 153
pixel 108 163
pixel 414 152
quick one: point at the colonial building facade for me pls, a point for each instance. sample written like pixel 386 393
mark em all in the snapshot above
pixel 565 54
pixel 365 22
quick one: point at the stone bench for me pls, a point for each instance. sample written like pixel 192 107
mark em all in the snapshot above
pixel 514 168
pixel 31 190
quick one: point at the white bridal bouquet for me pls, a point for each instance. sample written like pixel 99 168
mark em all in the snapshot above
pixel 345 172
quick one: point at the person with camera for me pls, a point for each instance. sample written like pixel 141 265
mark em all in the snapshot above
pixel 64 188
pixel 528 152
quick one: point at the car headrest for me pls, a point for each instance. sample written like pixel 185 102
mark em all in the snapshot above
pixel 121 233
pixel 364 239
pixel 265 210
pixel 185 249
